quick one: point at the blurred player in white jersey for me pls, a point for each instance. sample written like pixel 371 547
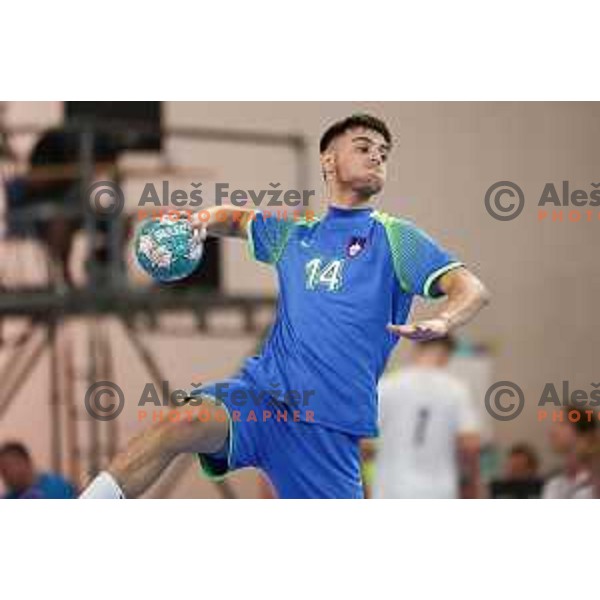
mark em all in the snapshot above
pixel 429 430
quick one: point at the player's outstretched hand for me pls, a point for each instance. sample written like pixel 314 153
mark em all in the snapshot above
pixel 421 330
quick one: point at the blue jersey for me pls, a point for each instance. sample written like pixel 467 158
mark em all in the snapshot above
pixel 49 486
pixel 342 278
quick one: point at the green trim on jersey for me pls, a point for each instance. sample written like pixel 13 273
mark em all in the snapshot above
pixel 250 238
pixel 398 232
pixel 393 228
pixel 309 223
pixel 435 275
pixel 277 251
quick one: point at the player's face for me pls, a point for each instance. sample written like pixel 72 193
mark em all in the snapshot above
pixel 518 467
pixel 360 157
pixel 15 471
pixel 562 437
pixel 431 355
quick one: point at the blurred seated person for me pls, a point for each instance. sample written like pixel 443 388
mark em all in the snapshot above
pixel 594 460
pixel 24 482
pixel 573 437
pixel 520 479
pixel 52 190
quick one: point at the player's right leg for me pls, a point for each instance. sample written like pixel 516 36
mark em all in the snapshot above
pixel 149 453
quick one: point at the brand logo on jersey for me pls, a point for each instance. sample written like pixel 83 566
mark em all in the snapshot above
pixel 355 246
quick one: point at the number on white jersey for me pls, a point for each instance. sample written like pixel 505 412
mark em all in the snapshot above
pixel 421 427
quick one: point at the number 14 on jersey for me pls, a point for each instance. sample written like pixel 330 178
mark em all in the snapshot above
pixel 328 276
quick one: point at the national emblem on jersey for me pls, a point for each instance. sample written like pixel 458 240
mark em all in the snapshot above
pixel 355 246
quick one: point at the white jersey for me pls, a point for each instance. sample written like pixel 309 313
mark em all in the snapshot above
pixel 422 411
pixel 563 487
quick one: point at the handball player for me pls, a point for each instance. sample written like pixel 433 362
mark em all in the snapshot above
pixel 347 280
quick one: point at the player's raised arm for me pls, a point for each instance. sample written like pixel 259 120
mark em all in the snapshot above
pixel 465 297
pixel 225 221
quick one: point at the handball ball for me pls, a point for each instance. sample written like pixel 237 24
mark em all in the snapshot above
pixel 168 249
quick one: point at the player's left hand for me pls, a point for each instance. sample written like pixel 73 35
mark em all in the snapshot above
pixel 428 329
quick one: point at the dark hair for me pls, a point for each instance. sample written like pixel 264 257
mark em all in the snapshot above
pixel 583 425
pixel 351 122
pixel 16 448
pixel 447 341
pixel 527 451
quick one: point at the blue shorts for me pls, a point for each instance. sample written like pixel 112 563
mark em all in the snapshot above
pixel 302 460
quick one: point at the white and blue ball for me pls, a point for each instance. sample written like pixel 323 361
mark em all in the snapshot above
pixel 167 249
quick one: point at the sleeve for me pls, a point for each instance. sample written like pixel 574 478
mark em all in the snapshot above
pixel 418 260
pixel 551 489
pixel 268 236
pixel 468 419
